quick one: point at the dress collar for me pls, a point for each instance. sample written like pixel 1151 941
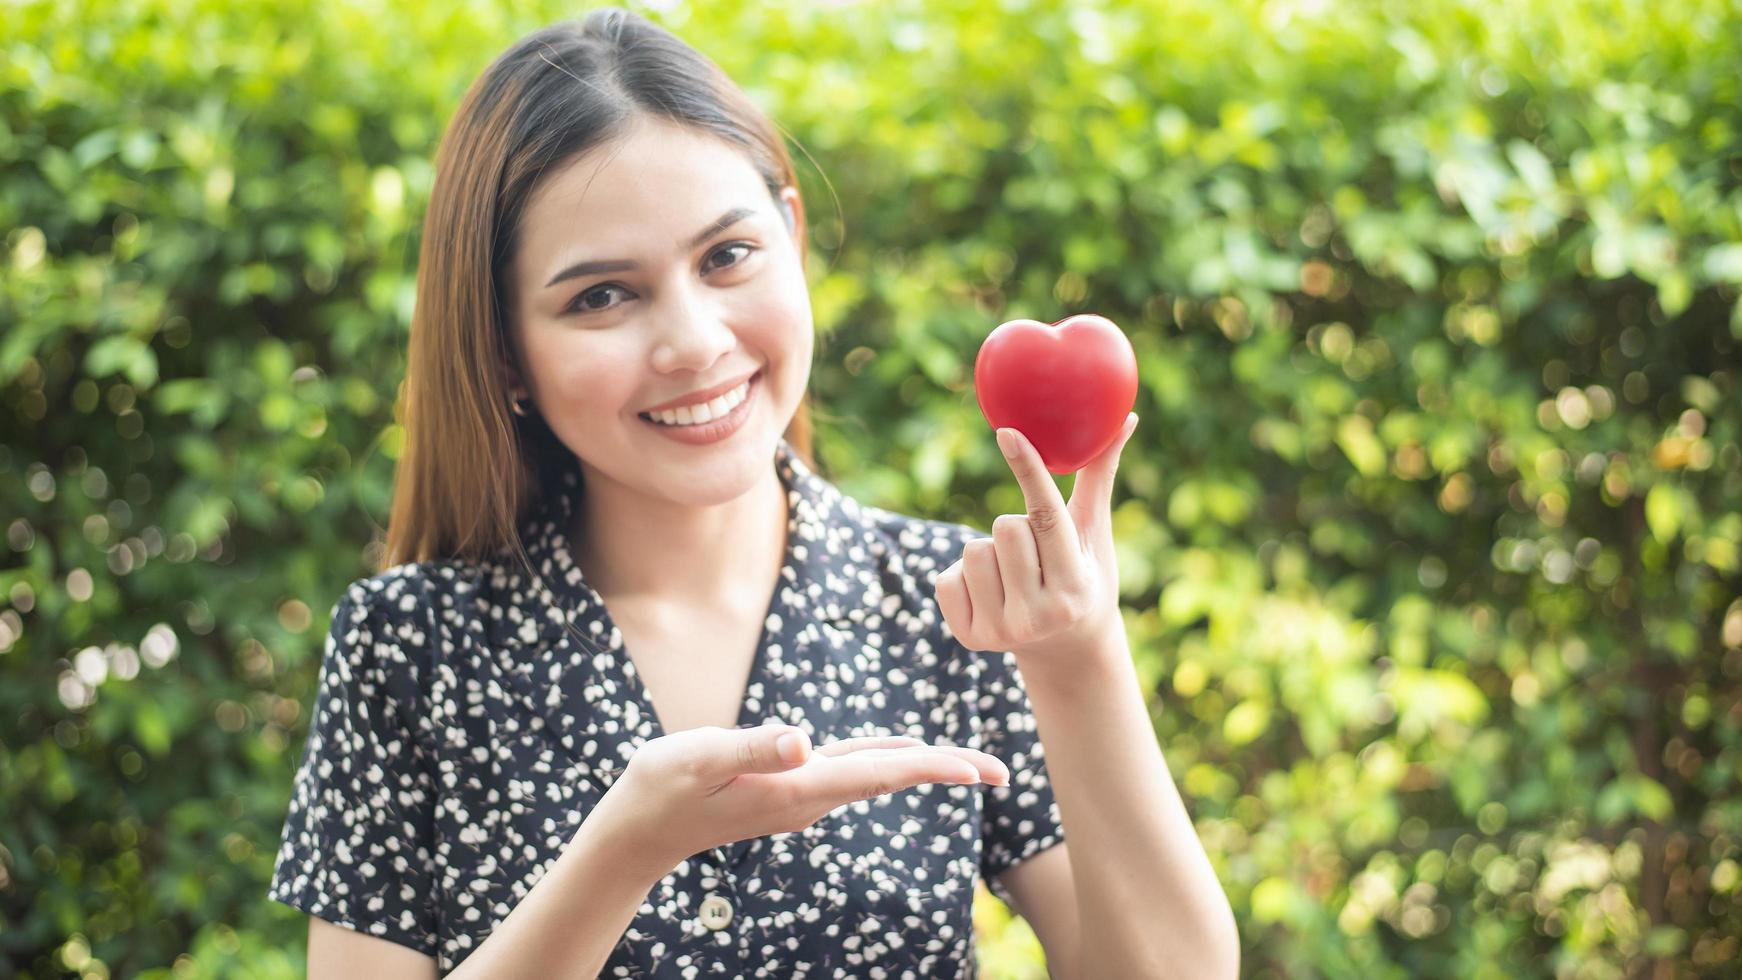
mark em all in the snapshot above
pixel 566 657
pixel 828 547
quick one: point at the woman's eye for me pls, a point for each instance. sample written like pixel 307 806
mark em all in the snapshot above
pixel 743 245
pixel 582 303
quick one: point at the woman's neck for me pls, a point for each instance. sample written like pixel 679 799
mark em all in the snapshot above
pixel 639 549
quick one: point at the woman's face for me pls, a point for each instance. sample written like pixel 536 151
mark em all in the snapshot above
pixel 686 306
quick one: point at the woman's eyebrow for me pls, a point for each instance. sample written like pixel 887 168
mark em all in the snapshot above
pixel 719 224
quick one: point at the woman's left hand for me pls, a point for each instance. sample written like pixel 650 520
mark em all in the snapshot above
pixel 1046 581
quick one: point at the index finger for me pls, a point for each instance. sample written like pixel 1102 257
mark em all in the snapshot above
pixel 1054 533
pixel 879 772
pixel 864 742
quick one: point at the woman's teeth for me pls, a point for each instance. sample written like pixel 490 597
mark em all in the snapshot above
pixel 703 413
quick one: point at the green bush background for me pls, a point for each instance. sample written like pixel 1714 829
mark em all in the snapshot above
pixel 1430 532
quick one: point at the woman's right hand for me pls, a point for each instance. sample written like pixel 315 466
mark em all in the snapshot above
pixel 707 787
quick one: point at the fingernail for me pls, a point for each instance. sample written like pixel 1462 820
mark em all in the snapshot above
pixel 790 746
pixel 1007 442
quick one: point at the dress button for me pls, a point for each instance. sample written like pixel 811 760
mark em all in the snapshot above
pixel 716 912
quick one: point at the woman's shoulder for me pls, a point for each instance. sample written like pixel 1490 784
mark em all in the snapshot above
pixel 405 618
pixel 414 587
pixel 916 550
pixel 913 535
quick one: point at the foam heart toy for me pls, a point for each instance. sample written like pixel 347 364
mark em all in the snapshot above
pixel 1066 386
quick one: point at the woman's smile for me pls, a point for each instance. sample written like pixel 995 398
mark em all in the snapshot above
pixel 724 416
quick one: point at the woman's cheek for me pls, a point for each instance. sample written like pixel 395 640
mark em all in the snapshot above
pixel 795 313
pixel 588 375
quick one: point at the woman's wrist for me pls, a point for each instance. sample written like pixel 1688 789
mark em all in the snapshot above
pixel 629 838
pixel 574 916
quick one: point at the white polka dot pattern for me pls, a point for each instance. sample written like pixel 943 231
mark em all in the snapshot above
pixel 461 733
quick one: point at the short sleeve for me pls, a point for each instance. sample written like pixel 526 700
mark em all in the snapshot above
pixel 357 845
pixel 1020 820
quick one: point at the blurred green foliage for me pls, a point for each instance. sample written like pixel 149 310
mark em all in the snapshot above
pixel 1430 530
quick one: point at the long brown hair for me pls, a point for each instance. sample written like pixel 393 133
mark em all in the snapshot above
pixel 470 470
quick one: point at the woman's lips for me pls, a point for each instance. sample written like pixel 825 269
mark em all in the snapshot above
pixel 716 429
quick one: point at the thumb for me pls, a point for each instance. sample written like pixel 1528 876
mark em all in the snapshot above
pixel 1094 484
pixel 770 748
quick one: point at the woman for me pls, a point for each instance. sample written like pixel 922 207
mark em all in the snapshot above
pixel 639 693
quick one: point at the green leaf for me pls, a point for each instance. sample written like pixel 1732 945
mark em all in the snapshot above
pixel 1663 512
pixel 151 728
pixel 1650 798
pixel 1674 292
pixel 95 148
pixel 1355 437
pixel 1272 898
pixel 1723 263
pixel 125 354
pixel 205 398
pixel 1666 941
pixel 1532 166
pixel 1245 722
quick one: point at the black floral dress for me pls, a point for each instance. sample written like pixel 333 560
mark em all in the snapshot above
pixel 461 735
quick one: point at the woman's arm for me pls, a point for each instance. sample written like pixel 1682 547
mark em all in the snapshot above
pixel 709 786
pixel 338 951
pixel 1045 587
pixel 565 927
pixel 1147 899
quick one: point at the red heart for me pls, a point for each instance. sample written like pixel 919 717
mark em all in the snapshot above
pixel 1067 387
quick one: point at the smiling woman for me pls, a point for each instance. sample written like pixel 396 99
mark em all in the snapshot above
pixel 587 148
pixel 638 692
pixel 689 317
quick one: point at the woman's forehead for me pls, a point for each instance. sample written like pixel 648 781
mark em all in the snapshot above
pixel 648 187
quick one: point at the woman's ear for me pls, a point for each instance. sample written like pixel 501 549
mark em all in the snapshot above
pixel 508 363
pixel 519 399
pixel 513 383
pixel 792 209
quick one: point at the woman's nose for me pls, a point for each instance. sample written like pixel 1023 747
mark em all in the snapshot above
pixel 691 335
